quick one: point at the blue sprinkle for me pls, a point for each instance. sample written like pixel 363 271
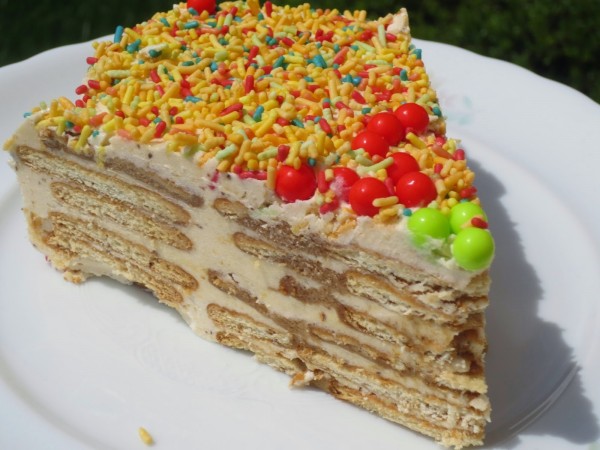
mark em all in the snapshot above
pixel 118 34
pixel 69 124
pixel 417 53
pixel 298 123
pixel 319 61
pixel 336 47
pixel 27 114
pixel 347 79
pixel 336 66
pixel 317 119
pixel 191 24
pixel 258 113
pixel 223 41
pixel 278 62
pixel 260 16
pixel 404 75
pixel 187 63
pixel 237 18
pixel 407 212
pixel 214 66
pixel 437 111
pixel 356 80
pixel 193 12
pixel 191 98
pixel 312 162
pixel 134 46
pixel 365 110
pixel 165 22
pixel 95 133
pixel 309 79
pixel 154 53
pixel 157 120
pixel 354 47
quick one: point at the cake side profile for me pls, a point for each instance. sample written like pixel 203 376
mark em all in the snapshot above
pixel 281 177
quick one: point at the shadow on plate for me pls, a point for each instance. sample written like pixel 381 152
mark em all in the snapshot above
pixel 529 364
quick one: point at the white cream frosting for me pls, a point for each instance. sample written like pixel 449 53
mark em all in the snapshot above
pixel 390 240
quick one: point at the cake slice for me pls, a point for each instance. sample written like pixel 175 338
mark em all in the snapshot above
pixel 281 177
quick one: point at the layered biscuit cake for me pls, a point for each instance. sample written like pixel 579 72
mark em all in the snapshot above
pixel 281 176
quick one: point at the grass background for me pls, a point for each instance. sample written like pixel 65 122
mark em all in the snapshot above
pixel 558 39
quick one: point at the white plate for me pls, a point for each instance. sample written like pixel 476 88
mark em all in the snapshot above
pixel 85 366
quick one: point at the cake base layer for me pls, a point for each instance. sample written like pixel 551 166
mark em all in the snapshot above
pixel 339 318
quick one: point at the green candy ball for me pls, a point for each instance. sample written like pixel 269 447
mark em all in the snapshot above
pixel 462 213
pixel 428 222
pixel 473 248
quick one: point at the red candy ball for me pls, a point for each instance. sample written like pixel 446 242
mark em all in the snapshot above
pixel 372 143
pixel 203 5
pixel 415 189
pixel 362 194
pixel 343 179
pixel 413 117
pixel 292 185
pixel 387 125
pixel 403 164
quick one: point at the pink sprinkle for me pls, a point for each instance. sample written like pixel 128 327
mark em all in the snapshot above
pixel 437 168
pixel 259 175
pixel 459 155
pixel 94 84
pixel 232 108
pixel 358 97
pixel 160 129
pixel 325 126
pixel 328 207
pixel 154 76
pixel 322 184
pixel 287 41
pixel 282 152
pixel 268 8
pixel 479 222
pixel 91 60
pixel 341 56
pixel 81 89
pixel 248 84
pixel 468 192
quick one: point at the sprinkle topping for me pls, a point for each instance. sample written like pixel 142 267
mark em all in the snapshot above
pixel 259 88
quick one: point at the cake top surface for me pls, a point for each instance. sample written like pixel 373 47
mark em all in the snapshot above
pixel 324 107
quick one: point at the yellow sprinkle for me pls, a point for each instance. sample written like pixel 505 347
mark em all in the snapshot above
pixel 201 123
pixel 145 436
pixel 83 137
pixel 385 201
pixel 416 141
pixel 271 172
